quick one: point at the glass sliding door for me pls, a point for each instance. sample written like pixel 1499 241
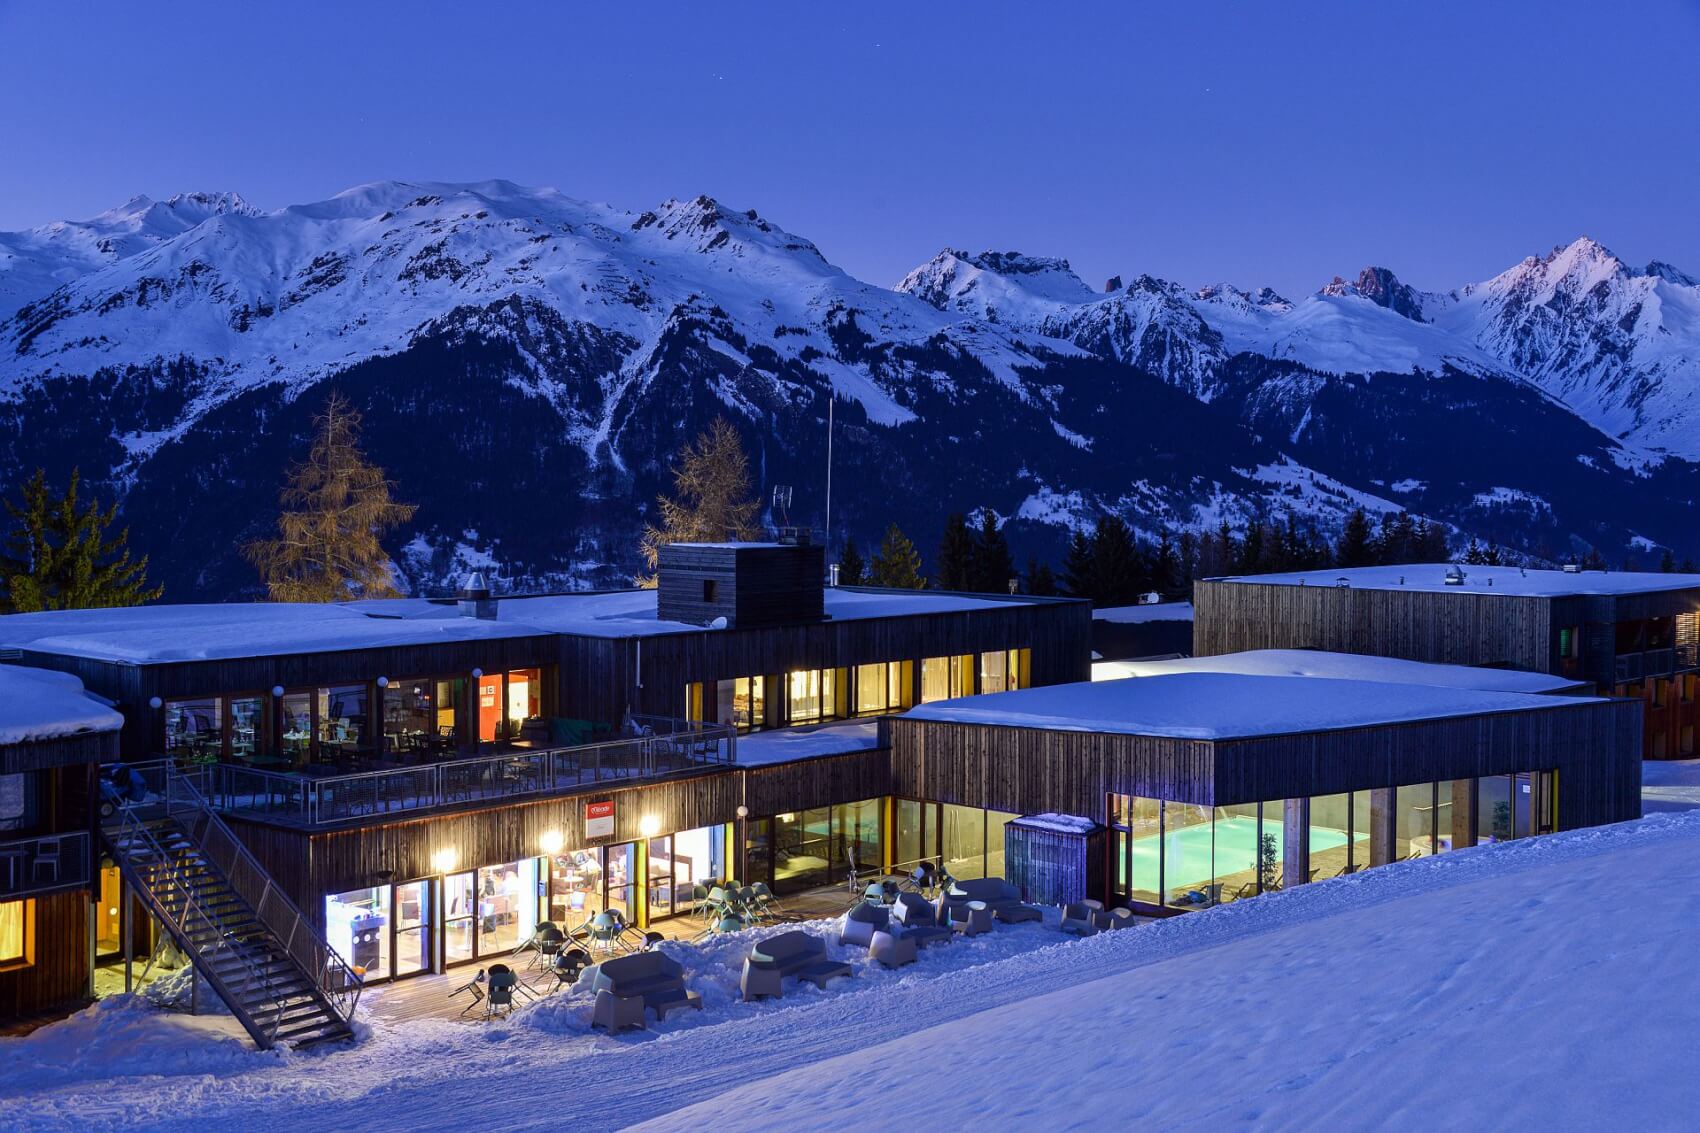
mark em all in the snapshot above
pixel 297 726
pixel 659 859
pixel 1188 854
pixel 1241 853
pixel 357 927
pixel 507 906
pixel 460 917
pixel 250 728
pixel 194 729
pixel 414 940
pixel 618 871
pixel 1331 835
pixel 963 842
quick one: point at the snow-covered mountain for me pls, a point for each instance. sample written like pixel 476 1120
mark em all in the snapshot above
pixel 528 363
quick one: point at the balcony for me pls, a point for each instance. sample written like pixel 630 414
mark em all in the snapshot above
pixel 663 748
pixel 1653 663
pixel 44 864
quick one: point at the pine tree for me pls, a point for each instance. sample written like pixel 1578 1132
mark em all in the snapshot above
pixel 335 506
pixel 1253 558
pixel 852 571
pixel 1117 570
pixel 1667 561
pixel 1041 582
pixel 57 555
pixel 897 564
pixel 956 555
pixel 1354 550
pixel 1165 567
pixel 1428 543
pixel 1078 574
pixel 713 499
pixel 993 565
pixel 1593 560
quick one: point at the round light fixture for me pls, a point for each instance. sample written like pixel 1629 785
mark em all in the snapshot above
pixel 649 826
pixel 551 842
pixel 445 860
pixel 155 702
pixel 277 690
pixel 743 812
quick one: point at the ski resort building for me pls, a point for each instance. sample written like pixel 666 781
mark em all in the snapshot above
pixel 1630 634
pixel 316 798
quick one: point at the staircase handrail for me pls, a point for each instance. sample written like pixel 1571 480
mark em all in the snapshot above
pixel 189 918
pixel 335 978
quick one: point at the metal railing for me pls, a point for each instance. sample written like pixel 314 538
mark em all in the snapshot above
pixel 662 747
pixel 169 793
pixel 1647 663
pixel 44 864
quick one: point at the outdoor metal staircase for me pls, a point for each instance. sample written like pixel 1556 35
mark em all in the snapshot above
pixel 242 934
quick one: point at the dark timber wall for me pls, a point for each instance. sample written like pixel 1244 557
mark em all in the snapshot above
pixel 59 971
pixel 1463 628
pixel 1594 745
pixel 747 584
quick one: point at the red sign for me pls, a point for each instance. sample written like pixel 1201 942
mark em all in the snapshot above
pixel 599 820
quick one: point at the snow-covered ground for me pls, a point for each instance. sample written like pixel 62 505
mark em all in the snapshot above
pixel 1670 784
pixel 1544 983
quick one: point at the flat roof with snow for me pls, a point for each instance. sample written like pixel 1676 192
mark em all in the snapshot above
pixel 1345 666
pixel 1514 581
pixel 160 634
pixel 37 705
pixel 1223 706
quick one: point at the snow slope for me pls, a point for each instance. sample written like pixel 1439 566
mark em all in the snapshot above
pixel 1510 986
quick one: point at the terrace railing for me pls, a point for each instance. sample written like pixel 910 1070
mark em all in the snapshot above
pixel 44 864
pixel 659 748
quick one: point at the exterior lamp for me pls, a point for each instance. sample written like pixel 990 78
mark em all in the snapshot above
pixel 551 842
pixel 649 826
pixel 444 860
pixel 476 673
pixel 383 682
pixel 155 703
pixel 277 690
pixel 743 811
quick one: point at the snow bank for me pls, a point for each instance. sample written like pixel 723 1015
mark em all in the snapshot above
pixel 1512 581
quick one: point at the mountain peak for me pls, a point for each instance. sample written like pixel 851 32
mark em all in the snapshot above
pixel 1010 287
pixel 705 225
pixel 1381 287
pixel 1661 270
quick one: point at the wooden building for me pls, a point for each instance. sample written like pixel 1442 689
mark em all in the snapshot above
pixel 1222 785
pixel 1630 634
pixel 52 740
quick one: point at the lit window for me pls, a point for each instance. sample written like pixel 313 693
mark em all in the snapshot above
pixel 16 933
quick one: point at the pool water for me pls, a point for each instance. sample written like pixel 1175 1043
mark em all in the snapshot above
pixel 1189 850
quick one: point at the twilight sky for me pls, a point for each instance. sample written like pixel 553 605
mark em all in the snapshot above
pixel 1255 143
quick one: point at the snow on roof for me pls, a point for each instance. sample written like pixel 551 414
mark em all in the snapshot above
pixel 164 633
pixel 1342 666
pixel 1220 706
pixel 1057 823
pixel 39 704
pixel 1515 581
pixel 1137 615
pixel 785 745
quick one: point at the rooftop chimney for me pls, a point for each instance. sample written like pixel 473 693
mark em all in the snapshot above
pixel 476 600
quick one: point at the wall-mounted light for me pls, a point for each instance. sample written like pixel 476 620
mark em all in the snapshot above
pixel 383 682
pixel 155 703
pixel 277 690
pixel 551 842
pixel 787 817
pixel 649 826
pixel 476 673
pixel 444 860
pixel 743 812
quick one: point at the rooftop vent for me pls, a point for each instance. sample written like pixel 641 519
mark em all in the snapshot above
pixel 1572 568
pixel 1454 576
pixel 475 598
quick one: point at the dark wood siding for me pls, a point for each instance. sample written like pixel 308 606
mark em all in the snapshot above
pixel 86 747
pixel 827 780
pixel 60 972
pixel 748 585
pixel 1451 628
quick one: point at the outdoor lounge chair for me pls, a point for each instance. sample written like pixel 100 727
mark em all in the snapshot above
pixel 859 924
pixel 892 951
pixel 800 954
pixel 919 920
pixel 616 1013
pixel 655 976
pixel 1002 898
pixel 500 1000
pixel 760 981
pixel 1077 919
pixel 1122 918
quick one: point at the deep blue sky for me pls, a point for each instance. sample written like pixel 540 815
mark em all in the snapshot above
pixel 1275 143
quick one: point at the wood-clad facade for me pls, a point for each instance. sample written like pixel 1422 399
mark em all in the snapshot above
pixel 1594 745
pixel 1641 644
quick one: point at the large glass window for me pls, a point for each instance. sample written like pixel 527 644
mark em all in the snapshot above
pixel 699 857
pixel 811 696
pixel 802 844
pixel 249 733
pixel 357 929
pixel 619 869
pixel 108 913
pixel 525 701
pixel 996 820
pixel 413 928
pixel 575 887
pixel 742 702
pixel 15 932
pixel 450 695
pixel 1139 822
pixel 489 707
pixel 1493 809
pixel 1242 853
pixel 1003 670
pixel 194 729
pixel 460 916
pixel 1188 865
pixel 410 717
pixel 342 720
pixel 1414 814
pixel 1332 838
pixel 297 726
pixel 914 841
pixel 507 906
pixel 17 801
pixel 945 678
pixel 858 827
pixel 880 688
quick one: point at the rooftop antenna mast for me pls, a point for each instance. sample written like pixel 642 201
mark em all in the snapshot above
pixel 782 505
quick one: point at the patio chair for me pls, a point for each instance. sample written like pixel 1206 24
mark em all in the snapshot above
pixel 765 899
pixel 1077 919
pixel 875 892
pixel 606 929
pixel 699 901
pixel 616 1012
pixel 1122 918
pixel 500 999
pixel 857 927
pixel 892 951
pixel 568 966
pixel 918 919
